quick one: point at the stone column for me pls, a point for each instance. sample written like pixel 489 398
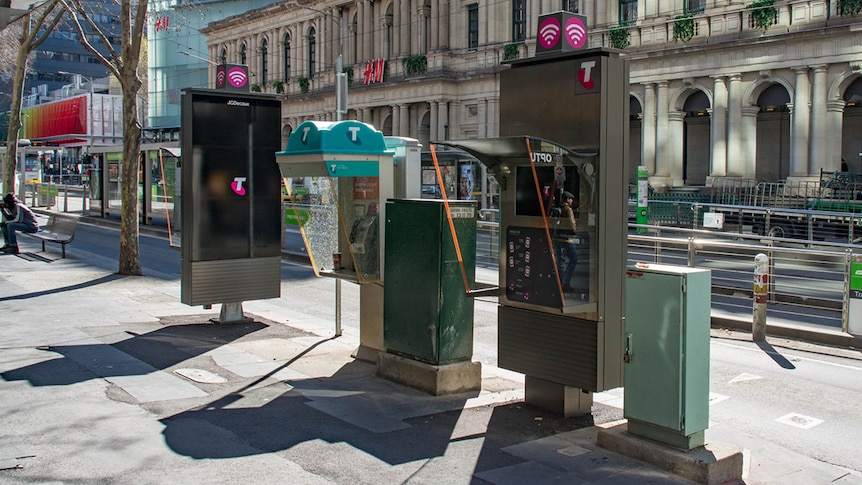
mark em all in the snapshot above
pixel 835 127
pixel 454 119
pixel 443 25
pixel 742 166
pixel 397 27
pixel 435 34
pixel 800 125
pixel 735 152
pixel 396 120
pixel 648 138
pixel 442 120
pixel 819 157
pixel 432 130
pixel 404 128
pixel 493 117
pixel 368 31
pixel 719 128
pixel 676 121
pixel 404 28
pixel 662 150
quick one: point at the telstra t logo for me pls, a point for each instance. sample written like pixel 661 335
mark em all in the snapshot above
pixel 237 187
pixel 585 75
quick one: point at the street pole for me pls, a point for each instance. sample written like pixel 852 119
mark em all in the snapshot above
pixel 340 111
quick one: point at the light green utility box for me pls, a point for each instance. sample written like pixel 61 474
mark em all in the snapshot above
pixel 427 314
pixel 667 353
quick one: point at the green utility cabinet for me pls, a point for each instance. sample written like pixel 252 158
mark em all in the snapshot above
pixel 666 353
pixel 427 314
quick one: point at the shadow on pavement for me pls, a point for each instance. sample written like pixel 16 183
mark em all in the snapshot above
pixel 776 356
pixel 79 286
pixel 139 355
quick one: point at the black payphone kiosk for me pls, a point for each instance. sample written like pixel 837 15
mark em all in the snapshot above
pixel 564 121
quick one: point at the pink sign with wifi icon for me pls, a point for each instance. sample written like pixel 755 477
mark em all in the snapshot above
pixel 576 32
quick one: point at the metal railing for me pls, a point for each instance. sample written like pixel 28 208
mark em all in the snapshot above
pixel 809 280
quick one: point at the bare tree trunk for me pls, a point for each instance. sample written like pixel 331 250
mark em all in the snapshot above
pixel 15 111
pixel 130 260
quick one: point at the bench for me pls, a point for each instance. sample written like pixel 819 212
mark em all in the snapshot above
pixel 59 229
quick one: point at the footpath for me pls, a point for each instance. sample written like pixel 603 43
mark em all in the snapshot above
pixel 110 379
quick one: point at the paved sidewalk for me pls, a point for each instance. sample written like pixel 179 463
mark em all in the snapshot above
pixel 110 379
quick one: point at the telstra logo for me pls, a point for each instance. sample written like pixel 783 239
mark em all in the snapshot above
pixel 237 187
pixel 585 75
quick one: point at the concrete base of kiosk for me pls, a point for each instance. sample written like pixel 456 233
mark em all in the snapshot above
pixel 437 380
pixel 561 399
pixel 708 464
pixel 232 313
pixel 370 323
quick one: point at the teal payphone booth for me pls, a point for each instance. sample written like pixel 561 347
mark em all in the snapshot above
pixel 350 174
pixel 344 173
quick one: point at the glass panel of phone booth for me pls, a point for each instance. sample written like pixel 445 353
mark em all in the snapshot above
pixel 540 242
pixel 338 217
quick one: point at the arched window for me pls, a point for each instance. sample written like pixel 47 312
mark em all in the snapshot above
pixel 312 50
pixel 263 63
pixel 286 58
pixel 223 57
pixel 242 54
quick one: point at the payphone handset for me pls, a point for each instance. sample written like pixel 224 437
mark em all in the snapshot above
pixel 363 234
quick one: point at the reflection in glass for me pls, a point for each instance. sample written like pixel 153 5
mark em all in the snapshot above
pixel 339 221
pixel 552 263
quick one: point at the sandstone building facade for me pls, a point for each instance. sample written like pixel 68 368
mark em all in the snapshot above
pixel 719 88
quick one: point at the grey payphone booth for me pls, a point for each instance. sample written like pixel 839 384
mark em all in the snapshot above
pixel 565 336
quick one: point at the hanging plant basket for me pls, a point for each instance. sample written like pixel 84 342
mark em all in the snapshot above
pixel 303 84
pixel 849 7
pixel 763 14
pixel 683 28
pixel 278 86
pixel 619 37
pixel 510 52
pixel 414 65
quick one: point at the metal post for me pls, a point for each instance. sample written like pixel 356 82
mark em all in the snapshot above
pixel 761 285
pixel 848 276
pixel 338 307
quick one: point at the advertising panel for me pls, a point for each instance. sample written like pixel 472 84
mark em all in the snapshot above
pixel 231 195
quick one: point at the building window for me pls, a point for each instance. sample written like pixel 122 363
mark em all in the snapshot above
pixel 286 59
pixel 695 6
pixel 570 6
pixel 223 57
pixel 519 20
pixel 264 67
pixel 473 26
pixel 628 12
pixel 312 48
pixel 242 54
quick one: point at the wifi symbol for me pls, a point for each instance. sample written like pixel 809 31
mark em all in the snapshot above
pixel 237 77
pixel 549 32
pixel 220 77
pixel 576 32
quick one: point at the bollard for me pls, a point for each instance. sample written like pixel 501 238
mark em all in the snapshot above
pixel 761 289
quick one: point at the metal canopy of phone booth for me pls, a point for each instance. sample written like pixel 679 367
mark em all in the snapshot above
pixel 341 221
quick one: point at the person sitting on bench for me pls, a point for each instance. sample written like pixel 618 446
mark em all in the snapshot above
pixel 16 217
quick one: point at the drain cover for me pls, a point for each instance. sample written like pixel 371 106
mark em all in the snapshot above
pixel 201 376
